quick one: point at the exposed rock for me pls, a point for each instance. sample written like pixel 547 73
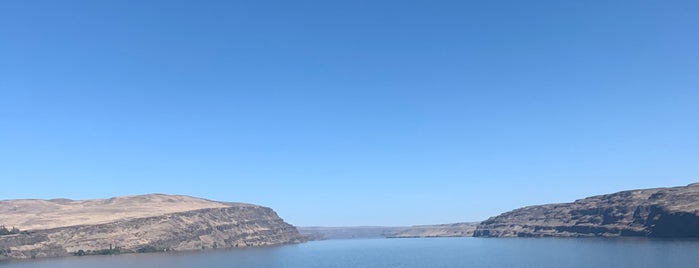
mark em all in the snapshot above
pixel 441 230
pixel 658 212
pixel 326 233
pixel 137 224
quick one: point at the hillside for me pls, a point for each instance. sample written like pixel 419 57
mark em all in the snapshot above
pixel 657 212
pixel 145 223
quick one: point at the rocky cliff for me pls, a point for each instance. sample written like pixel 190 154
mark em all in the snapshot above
pixel 144 223
pixel 440 230
pixel 659 212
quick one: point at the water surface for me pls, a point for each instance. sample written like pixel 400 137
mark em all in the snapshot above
pixel 415 252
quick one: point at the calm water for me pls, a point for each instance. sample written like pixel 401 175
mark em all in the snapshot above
pixel 429 252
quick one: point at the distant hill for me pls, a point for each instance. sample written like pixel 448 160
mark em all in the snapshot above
pixel 440 230
pixel 355 232
pixel 658 212
pixel 143 223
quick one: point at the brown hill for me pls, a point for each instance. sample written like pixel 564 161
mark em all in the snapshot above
pixel 144 223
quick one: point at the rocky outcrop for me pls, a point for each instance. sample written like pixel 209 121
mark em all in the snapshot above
pixel 440 230
pixel 222 225
pixel 659 212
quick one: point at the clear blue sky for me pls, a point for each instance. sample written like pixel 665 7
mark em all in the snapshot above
pixel 349 112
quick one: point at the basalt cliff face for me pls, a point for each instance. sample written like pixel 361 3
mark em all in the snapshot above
pixel 147 223
pixel 659 212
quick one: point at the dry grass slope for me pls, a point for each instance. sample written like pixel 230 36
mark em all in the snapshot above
pixel 35 214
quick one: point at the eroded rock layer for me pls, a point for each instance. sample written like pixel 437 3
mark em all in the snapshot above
pixel 658 212
pixel 221 225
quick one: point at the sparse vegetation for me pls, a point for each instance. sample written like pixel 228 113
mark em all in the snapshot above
pixel 147 249
pixel 117 250
pixel 5 231
pixel 151 249
pixel 107 251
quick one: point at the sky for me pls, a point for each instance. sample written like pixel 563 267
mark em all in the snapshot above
pixel 340 113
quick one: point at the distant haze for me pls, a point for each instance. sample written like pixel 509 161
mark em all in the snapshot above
pixel 341 113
